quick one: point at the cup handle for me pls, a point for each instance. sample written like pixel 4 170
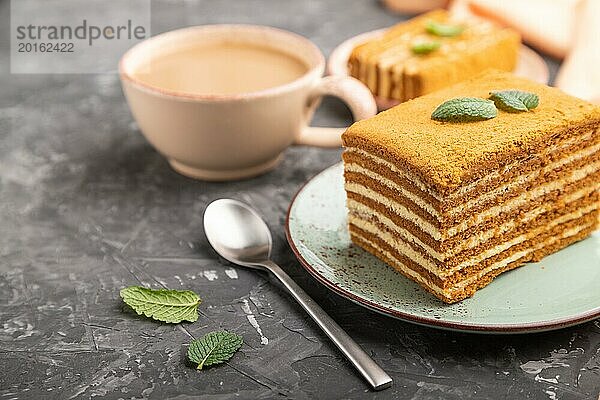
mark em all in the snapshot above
pixel 351 91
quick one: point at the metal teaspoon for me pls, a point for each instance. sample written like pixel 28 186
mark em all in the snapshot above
pixel 240 236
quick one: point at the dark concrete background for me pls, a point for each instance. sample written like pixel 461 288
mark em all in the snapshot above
pixel 88 207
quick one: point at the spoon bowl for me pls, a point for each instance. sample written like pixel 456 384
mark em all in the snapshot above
pixel 237 233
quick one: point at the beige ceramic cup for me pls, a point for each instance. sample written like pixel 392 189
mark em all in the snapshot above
pixel 226 137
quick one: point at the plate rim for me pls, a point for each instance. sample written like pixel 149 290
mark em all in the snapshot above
pixel 530 327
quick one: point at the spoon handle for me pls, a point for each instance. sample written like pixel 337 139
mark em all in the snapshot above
pixel 372 372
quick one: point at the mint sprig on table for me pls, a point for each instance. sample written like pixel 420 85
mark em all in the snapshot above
pixel 425 47
pixel 175 306
pixel 514 100
pixel 172 306
pixel 214 348
pixel 465 109
pixel 444 30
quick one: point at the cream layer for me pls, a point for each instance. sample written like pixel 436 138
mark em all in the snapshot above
pixel 364 212
pixel 359 169
pixel 464 207
pixel 396 208
pixel 475 239
pixel 528 196
pixel 476 219
pixel 464 189
pixel 473 278
pixel 399 244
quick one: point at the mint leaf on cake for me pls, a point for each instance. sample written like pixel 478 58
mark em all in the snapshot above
pixel 214 348
pixel 515 100
pixel 425 47
pixel 465 109
pixel 444 30
pixel 172 306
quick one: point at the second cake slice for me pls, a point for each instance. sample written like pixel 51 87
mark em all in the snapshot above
pixel 430 52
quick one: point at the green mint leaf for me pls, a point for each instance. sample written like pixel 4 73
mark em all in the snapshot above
pixel 425 47
pixel 515 100
pixel 214 348
pixel 465 109
pixel 171 306
pixel 445 30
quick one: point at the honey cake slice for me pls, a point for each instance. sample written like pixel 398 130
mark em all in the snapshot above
pixel 392 69
pixel 453 205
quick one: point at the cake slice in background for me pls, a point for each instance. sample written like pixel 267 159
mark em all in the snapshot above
pixel 432 51
pixel 452 205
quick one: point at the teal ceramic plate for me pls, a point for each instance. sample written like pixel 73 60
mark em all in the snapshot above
pixel 561 290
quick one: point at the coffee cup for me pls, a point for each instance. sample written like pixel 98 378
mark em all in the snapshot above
pixel 215 122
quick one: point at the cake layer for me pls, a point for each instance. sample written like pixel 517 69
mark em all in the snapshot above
pixel 556 156
pixel 558 170
pixel 501 260
pixel 442 239
pixel 533 250
pixel 471 264
pixel 485 244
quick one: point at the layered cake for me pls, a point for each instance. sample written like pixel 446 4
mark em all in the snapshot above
pixel 430 52
pixel 452 204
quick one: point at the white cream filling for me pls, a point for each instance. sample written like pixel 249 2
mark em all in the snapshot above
pixel 461 208
pixel 482 237
pixel 479 218
pixel 364 212
pixel 474 240
pixel 525 198
pixel 414 275
pixel 464 189
pixel 405 174
pixel 394 186
pixel 552 149
pixel 522 179
pixel 400 244
pixel 395 207
pixel 466 282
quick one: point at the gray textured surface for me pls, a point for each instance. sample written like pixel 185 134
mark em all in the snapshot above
pixel 87 207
